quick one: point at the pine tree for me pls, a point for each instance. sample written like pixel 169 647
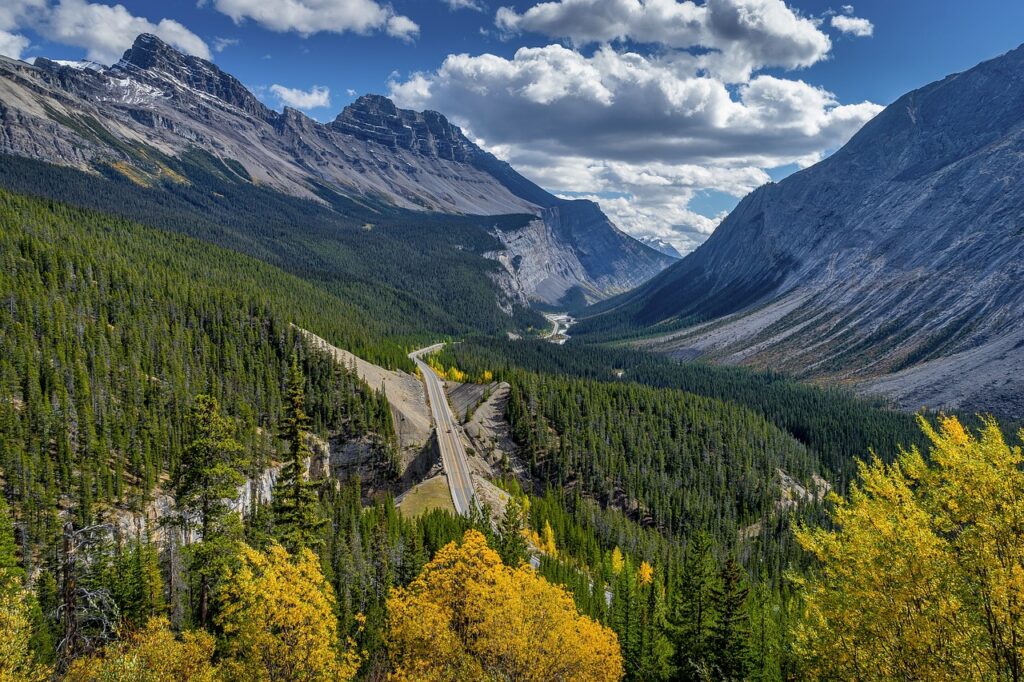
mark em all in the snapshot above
pixel 297 517
pixel 512 544
pixel 730 634
pixel 692 613
pixel 208 477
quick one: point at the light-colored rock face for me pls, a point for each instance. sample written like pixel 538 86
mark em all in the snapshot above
pixel 157 103
pixel 573 254
pixel 897 264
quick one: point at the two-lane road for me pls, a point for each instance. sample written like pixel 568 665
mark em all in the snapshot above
pixel 453 453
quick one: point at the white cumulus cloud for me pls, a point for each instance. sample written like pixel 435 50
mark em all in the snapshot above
pixel 741 36
pixel 464 4
pixel 12 44
pixel 307 17
pixel 317 96
pixel 856 26
pixel 104 31
pixel 654 130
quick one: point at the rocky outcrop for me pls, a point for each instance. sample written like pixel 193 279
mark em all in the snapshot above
pixel 376 118
pixel 152 62
pixel 157 102
pixel 896 265
pixel 573 255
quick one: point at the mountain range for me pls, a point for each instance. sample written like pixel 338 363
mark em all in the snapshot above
pixel 157 103
pixel 896 265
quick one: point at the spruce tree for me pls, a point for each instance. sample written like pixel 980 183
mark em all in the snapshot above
pixel 730 634
pixel 655 660
pixel 511 543
pixel 297 517
pixel 692 615
pixel 208 476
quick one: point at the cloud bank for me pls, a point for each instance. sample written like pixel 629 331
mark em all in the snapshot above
pixel 307 17
pixel 645 130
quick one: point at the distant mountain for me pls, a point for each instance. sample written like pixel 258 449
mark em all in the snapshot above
pixel 659 244
pixel 896 265
pixel 157 102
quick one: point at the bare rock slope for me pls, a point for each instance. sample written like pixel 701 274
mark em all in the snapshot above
pixel 157 102
pixel 896 265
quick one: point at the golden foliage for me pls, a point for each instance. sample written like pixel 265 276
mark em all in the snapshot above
pixel 618 562
pixel 924 577
pixel 469 617
pixel 645 574
pixel 16 663
pixel 277 614
pixel 548 545
pixel 151 655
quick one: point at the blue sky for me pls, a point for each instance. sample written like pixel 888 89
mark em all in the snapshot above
pixel 666 111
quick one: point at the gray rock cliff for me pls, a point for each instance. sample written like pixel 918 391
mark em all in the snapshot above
pixel 896 265
pixel 157 101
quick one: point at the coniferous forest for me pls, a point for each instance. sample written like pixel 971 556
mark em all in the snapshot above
pixel 170 509
pixel 598 341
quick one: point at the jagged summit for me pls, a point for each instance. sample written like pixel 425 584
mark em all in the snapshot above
pixel 155 62
pixel 157 101
pixel 148 51
pixel 375 117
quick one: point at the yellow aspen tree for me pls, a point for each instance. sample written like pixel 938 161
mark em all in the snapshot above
pixel 618 562
pixel 548 545
pixel 153 654
pixel 277 615
pixel 645 573
pixel 923 576
pixel 469 617
pixel 16 663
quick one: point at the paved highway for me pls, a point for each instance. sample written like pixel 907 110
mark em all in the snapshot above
pixel 560 323
pixel 453 453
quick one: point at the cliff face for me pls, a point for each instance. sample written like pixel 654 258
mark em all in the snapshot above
pixel 896 265
pixel 572 255
pixel 156 101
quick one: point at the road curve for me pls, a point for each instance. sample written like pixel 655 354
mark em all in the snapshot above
pixel 453 453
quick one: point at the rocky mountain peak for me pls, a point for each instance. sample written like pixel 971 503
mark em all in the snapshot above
pixel 148 52
pixel 154 61
pixel 659 245
pixel 376 118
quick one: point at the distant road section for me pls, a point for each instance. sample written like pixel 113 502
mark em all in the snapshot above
pixel 560 323
pixel 453 453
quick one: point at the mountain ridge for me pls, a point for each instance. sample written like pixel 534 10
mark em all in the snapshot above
pixel 158 102
pixel 886 266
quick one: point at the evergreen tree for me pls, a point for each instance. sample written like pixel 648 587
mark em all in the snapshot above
pixel 730 635
pixel 45 627
pixel 208 477
pixel 297 517
pixel 11 573
pixel 511 543
pixel 655 649
pixel 137 584
pixel 692 617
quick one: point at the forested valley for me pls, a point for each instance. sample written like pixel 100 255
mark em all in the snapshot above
pixel 413 274
pixel 169 510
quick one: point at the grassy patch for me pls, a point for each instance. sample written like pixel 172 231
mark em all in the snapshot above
pixel 432 493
